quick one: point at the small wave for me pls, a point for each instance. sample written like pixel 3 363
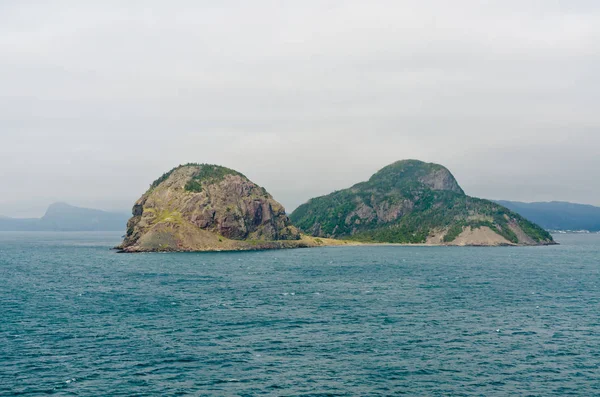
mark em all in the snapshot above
pixel 525 333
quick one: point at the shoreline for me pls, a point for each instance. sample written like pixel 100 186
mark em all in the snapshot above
pixel 306 243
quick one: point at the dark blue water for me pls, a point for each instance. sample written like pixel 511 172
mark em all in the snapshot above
pixel 78 319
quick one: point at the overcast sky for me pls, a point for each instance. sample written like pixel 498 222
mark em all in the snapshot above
pixel 304 97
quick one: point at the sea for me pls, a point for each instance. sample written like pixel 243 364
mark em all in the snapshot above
pixel 79 319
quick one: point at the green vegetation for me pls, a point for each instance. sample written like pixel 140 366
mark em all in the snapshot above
pixel 395 206
pixel 163 178
pixel 209 173
pixel 533 230
pixel 165 215
pixel 193 186
pixel 454 231
pixel 407 174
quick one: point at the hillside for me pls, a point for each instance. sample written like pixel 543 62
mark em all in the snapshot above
pixel 557 215
pixel 415 202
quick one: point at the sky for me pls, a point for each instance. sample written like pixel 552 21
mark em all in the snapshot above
pixel 98 99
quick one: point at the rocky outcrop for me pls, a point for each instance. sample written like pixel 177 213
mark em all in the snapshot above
pixel 404 173
pixel 199 207
pixel 413 202
pixel 440 179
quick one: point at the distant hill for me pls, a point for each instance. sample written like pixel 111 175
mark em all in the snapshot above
pixel 65 217
pixel 558 215
pixel 414 202
pixel 18 225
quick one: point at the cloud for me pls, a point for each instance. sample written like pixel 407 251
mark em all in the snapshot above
pixel 99 99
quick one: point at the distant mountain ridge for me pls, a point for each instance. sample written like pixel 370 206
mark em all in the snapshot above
pixel 68 218
pixel 558 215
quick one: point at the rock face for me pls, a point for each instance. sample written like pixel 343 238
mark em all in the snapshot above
pixel 199 207
pixel 415 202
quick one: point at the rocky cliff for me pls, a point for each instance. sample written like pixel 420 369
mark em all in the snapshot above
pixel 415 202
pixel 201 207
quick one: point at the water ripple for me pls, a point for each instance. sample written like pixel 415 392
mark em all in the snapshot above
pixel 80 320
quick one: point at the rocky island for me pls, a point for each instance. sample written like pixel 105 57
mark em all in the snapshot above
pixel 202 207
pixel 412 202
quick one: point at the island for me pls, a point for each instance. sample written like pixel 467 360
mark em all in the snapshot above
pixel 205 207
pixel 413 202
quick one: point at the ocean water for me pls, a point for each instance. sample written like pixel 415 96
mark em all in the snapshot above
pixel 78 319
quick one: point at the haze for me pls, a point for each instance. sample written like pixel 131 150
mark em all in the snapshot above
pixel 304 97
